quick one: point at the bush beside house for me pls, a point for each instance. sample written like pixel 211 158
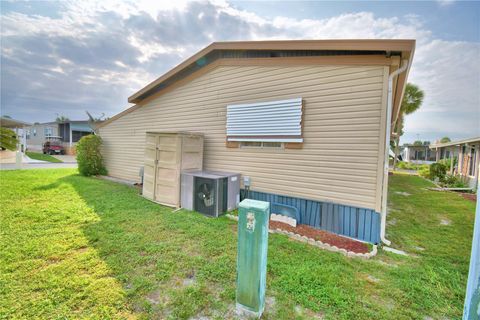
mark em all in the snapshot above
pixel 437 172
pixel 89 158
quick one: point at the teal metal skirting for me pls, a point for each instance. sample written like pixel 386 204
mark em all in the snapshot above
pixel 358 223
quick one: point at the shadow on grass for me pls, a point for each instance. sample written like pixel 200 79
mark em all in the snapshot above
pixel 50 186
pixel 174 265
pixel 183 264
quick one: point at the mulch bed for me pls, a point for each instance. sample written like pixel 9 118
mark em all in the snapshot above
pixel 323 236
pixel 469 196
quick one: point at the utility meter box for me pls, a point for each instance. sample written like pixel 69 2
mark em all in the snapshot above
pixel 253 219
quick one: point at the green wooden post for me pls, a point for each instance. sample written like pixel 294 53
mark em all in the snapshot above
pixel 253 219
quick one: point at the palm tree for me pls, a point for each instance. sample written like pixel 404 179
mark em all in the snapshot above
pixel 412 100
pixel 61 119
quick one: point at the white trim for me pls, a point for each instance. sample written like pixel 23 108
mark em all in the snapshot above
pixel 383 220
pixel 267 103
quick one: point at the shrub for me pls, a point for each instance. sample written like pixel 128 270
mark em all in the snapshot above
pixel 410 166
pixel 454 182
pixel 402 165
pixel 438 171
pixel 447 162
pixel 424 172
pixel 89 158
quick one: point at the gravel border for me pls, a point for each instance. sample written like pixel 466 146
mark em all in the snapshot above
pixel 319 244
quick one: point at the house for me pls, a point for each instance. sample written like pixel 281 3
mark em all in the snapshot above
pixel 419 154
pixel 14 156
pixel 69 132
pixel 467 153
pixel 19 127
pixel 309 123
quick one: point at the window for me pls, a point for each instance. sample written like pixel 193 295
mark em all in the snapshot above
pixel 27 134
pixel 471 166
pixel 265 122
pixel 48 131
pixel 259 144
pixel 419 155
pixel 34 132
pixel 77 135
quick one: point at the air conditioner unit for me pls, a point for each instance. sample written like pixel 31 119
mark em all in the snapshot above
pixel 210 192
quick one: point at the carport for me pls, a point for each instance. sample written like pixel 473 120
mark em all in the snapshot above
pixel 18 127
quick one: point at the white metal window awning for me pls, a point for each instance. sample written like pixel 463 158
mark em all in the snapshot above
pixel 272 121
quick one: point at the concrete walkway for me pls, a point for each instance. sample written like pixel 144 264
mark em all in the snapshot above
pixel 7 156
pixel 42 165
pixel 66 158
pixel 10 157
pixel 8 162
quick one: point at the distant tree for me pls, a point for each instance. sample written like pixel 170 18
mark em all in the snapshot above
pixel 426 143
pixel 418 143
pixel 61 119
pixel 5 116
pixel 445 140
pixel 8 139
pixel 35 123
pixel 412 100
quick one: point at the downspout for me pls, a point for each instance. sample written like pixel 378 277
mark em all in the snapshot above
pixel 388 132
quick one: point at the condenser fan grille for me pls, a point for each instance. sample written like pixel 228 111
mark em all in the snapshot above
pixel 206 193
pixel 205 190
pixel 210 196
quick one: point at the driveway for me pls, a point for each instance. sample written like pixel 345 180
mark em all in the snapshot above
pixel 42 165
pixel 7 156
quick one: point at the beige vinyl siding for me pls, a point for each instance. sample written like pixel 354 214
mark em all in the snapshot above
pixel 342 129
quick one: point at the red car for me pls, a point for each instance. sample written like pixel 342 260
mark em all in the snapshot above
pixel 53 146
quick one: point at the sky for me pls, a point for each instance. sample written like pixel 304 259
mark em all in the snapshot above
pixel 66 57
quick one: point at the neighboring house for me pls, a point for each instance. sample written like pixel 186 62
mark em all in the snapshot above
pixel 467 152
pixel 19 127
pixel 68 132
pixel 307 121
pixel 418 154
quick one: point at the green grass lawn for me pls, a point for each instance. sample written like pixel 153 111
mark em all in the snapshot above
pixel 41 156
pixel 76 247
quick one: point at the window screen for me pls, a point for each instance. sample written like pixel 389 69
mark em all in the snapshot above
pixel 272 121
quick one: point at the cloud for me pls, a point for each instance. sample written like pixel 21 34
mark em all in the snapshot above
pixel 449 74
pixel 445 3
pixel 93 55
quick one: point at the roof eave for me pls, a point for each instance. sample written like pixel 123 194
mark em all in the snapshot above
pixel 405 46
pixel 12 123
pixel 455 143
